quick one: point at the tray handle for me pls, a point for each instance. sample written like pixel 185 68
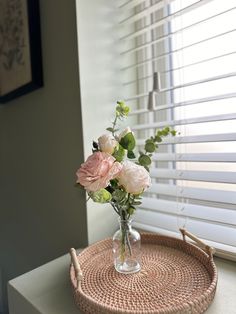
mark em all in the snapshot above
pixel 78 271
pixel 208 249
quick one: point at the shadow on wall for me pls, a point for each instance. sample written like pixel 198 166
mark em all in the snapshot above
pixel 1 292
pixel 41 146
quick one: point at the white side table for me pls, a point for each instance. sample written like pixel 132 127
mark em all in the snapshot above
pixel 47 290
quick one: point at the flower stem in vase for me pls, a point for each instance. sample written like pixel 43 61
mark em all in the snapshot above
pixel 122 247
pixel 126 248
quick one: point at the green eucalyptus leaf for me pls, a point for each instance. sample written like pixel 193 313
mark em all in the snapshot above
pixel 166 131
pixel 137 203
pixel 158 139
pixel 101 196
pixel 119 153
pixel 119 195
pixel 145 160
pixel 147 168
pixel 150 147
pixel 128 141
pixel 114 183
pixel 131 154
pixel 131 210
pixel 95 145
pixel 110 129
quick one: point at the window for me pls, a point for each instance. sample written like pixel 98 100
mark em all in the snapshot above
pixel 191 46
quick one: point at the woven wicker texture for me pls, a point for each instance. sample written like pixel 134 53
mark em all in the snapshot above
pixel 176 277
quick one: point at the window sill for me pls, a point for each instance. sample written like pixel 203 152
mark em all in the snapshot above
pixel 47 290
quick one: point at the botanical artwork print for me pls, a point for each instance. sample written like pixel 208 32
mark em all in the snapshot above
pixel 11 34
pixel 14 45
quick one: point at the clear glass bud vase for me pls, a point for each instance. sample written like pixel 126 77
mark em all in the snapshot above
pixel 126 248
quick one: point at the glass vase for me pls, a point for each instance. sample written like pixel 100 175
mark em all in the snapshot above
pixel 126 248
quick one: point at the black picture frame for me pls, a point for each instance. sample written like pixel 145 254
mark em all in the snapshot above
pixel 21 53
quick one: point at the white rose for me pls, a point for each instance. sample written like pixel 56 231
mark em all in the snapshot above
pixel 107 143
pixel 134 178
pixel 124 132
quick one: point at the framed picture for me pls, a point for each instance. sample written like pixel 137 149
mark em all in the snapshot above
pixel 20 48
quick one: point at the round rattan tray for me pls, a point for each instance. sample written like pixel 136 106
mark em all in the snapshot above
pixel 176 277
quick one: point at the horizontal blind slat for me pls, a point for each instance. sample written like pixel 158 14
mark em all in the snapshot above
pixel 223 250
pixel 130 4
pixel 145 12
pixel 223 117
pixel 185 103
pixel 200 62
pixel 212 195
pixel 194 175
pixel 166 19
pixel 195 139
pixel 192 83
pixel 153 59
pixel 156 41
pixel 218 214
pixel 206 229
pixel 197 157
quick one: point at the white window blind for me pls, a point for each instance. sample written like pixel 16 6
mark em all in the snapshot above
pixel 191 46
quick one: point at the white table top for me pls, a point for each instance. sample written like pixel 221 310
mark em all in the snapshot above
pixel 47 290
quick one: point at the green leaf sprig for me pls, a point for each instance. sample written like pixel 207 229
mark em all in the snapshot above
pixel 151 145
pixel 122 112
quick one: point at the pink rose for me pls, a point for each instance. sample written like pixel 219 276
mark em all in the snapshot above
pixel 97 171
pixel 134 178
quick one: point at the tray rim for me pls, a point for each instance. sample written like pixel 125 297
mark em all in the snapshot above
pixel 180 307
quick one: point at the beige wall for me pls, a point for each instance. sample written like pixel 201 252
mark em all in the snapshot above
pixel 42 214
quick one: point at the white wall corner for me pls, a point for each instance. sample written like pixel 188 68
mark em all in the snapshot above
pixel 100 83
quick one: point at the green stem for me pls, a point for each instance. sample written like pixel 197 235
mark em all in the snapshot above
pixel 128 203
pixel 128 243
pixel 114 207
pixel 125 240
pixel 122 253
pixel 114 125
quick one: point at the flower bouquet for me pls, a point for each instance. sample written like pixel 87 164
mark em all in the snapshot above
pixel 117 174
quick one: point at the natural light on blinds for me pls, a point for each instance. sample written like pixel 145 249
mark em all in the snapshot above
pixel 191 45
